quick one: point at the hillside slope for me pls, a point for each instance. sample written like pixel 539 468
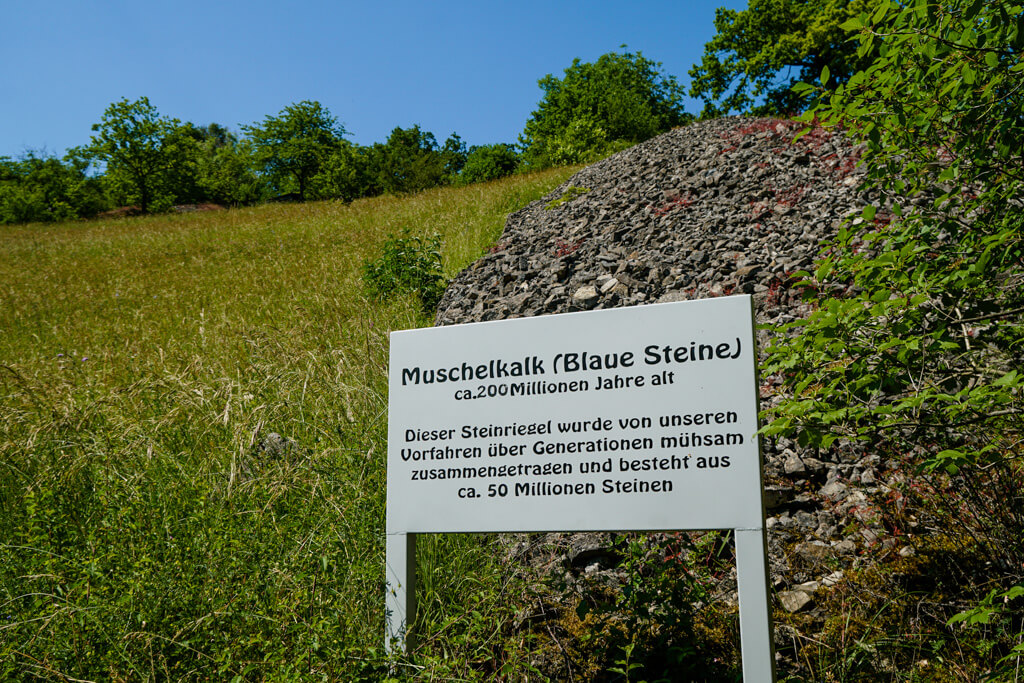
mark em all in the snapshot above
pixel 192 428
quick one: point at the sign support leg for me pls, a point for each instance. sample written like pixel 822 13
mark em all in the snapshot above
pixel 400 604
pixel 757 643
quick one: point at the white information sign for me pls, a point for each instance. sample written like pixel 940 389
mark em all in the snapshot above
pixel 640 418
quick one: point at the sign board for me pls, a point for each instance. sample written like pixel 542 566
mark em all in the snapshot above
pixel 626 419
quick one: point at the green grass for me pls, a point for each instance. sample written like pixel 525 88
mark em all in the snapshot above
pixel 143 534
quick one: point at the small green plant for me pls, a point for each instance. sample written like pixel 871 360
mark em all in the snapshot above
pixel 409 264
pixel 997 617
pixel 646 628
pixel 571 193
pixel 625 665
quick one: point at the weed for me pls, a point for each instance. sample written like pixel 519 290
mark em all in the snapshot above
pixel 649 628
pixel 680 201
pixel 408 264
pixel 565 247
pixel 571 193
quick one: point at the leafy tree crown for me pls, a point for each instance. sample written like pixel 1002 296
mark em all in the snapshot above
pixel 292 146
pixel 620 99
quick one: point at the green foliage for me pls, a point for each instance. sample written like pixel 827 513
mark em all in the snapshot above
pixel 598 107
pixel 917 339
pixel 650 628
pixel 158 162
pixel 138 157
pixel 759 53
pixel 489 162
pixel 44 189
pixel 657 607
pixel 409 264
pixel 571 193
pixel 148 159
pixel 345 175
pixel 411 161
pixel 293 146
pixel 999 617
pixel 226 171
pixel 454 156
pixel 584 140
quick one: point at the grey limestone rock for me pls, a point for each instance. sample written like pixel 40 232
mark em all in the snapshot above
pixel 732 205
pixel 795 600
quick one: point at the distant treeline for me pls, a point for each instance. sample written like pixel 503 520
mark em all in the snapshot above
pixel 139 158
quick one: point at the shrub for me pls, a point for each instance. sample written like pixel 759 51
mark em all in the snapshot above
pixel 601 107
pixel 409 264
pixel 915 342
pixel 43 188
pixel 489 162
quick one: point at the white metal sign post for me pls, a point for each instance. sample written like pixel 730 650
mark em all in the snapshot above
pixel 627 419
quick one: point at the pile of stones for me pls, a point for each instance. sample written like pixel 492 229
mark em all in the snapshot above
pixel 724 206
pixel 733 205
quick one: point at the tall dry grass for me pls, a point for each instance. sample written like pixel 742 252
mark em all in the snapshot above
pixel 148 528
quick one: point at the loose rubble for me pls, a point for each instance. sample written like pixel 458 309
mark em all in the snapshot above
pixel 732 205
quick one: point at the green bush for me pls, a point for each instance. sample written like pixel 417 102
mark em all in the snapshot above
pixel 46 189
pixel 914 344
pixel 489 162
pixel 409 264
pixel 599 108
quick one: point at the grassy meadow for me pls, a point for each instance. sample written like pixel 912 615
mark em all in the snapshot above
pixel 144 532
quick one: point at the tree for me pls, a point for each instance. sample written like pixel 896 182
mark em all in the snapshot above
pixel 225 169
pixel 43 188
pixel 597 107
pixel 345 175
pixel 147 157
pixel 411 161
pixel 292 147
pixel 453 156
pixel 920 346
pixel 759 53
pixel 489 162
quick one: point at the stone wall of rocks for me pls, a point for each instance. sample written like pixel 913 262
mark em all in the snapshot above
pixel 733 205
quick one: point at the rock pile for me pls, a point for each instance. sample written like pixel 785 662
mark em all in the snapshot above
pixel 733 205
pixel 730 205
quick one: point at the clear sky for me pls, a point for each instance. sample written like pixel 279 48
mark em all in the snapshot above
pixel 465 66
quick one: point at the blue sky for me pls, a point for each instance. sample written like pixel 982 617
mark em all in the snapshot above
pixel 469 67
